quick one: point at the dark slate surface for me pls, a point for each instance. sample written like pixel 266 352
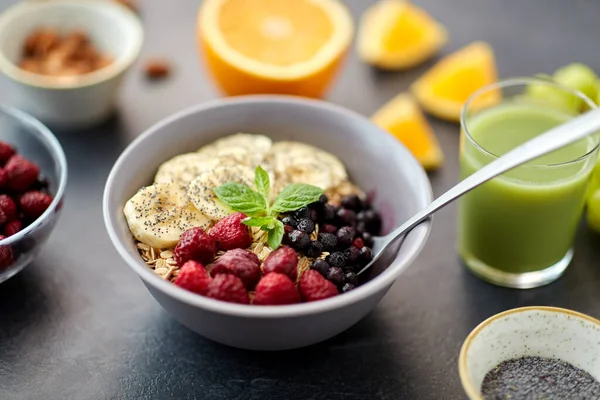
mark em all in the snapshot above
pixel 78 324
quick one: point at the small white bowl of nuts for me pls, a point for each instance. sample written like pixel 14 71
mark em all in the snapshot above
pixel 66 57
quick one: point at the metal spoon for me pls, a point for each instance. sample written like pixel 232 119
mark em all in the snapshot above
pixel 560 136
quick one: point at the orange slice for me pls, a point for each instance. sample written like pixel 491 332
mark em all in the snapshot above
pixel 402 118
pixel 395 34
pixel 274 46
pixel 443 89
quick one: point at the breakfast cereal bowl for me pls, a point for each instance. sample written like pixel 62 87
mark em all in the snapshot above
pixel 69 101
pixel 32 140
pixel 375 161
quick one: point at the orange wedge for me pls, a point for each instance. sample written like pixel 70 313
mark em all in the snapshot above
pixel 395 34
pixel 443 89
pixel 274 46
pixel 402 118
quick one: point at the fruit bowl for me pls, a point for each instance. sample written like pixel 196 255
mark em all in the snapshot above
pixel 376 162
pixel 32 140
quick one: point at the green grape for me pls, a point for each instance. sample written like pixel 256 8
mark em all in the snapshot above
pixel 580 77
pixel 598 91
pixel 550 96
pixel 593 211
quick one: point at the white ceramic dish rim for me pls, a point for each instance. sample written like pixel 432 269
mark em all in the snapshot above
pixel 57 153
pixel 119 65
pixel 375 285
pixel 471 390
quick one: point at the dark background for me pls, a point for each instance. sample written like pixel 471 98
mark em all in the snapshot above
pixel 78 324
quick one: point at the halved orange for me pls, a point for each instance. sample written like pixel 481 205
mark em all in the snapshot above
pixel 395 34
pixel 274 46
pixel 444 89
pixel 402 118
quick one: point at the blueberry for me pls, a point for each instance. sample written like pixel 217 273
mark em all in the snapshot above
pixel 361 227
pixel 365 256
pixel 367 239
pixel 361 216
pixel 336 259
pixel 321 267
pixel 329 228
pixel 323 199
pixel 351 278
pixel 329 213
pixel 365 204
pixel 351 202
pixel 373 221
pixel 299 240
pixel 302 213
pixel 335 276
pixel 346 217
pixel 306 225
pixel 313 215
pixel 289 220
pixel 347 287
pixel 328 240
pixel 345 236
pixel 351 254
pixel 315 249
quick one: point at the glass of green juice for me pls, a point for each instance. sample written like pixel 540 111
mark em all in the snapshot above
pixel 517 230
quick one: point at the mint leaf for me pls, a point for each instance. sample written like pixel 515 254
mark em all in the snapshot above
pixel 296 196
pixel 276 235
pixel 265 223
pixel 241 198
pixel 262 182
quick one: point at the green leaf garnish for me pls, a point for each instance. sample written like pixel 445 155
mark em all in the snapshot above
pixel 296 196
pixel 241 198
pixel 255 203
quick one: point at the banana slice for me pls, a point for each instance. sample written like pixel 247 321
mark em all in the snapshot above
pixel 201 190
pixel 157 215
pixel 244 148
pixel 184 168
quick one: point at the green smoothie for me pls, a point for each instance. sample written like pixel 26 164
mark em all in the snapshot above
pixel 524 220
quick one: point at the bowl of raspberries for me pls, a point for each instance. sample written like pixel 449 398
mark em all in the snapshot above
pixel 33 176
pixel 249 218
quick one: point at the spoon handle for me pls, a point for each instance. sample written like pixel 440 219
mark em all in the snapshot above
pixel 560 136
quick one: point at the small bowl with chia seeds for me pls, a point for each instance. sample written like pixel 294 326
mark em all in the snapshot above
pixel 532 353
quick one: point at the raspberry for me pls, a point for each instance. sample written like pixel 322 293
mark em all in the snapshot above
pixel 3 178
pixel 8 207
pixel 230 233
pixel 21 173
pixel 313 286
pixel 195 244
pixel 228 288
pixel 6 255
pixel 358 243
pixel 34 203
pixel 241 263
pixel 276 289
pixel 6 152
pixel 284 260
pixel 12 227
pixel 193 277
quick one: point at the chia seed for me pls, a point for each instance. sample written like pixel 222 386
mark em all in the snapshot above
pixel 533 378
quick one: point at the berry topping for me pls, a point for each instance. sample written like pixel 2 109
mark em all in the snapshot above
pixel 12 227
pixel 345 236
pixel 6 255
pixel 358 243
pixel 365 256
pixel 6 152
pixel 288 229
pixel 302 213
pixel 8 207
pixel 230 233
pixel 228 288
pixel 313 286
pixel 299 240
pixel 313 215
pixel 323 199
pixel 347 287
pixel 351 202
pixel 361 227
pixel 193 277
pixel 329 212
pixel 335 276
pixel 346 217
pixel 372 221
pixel 351 254
pixel 321 267
pixel 367 239
pixel 195 244
pixel 284 260
pixel 289 220
pixel 239 262
pixel 34 203
pixel 336 259
pixel 329 228
pixel 328 240
pixel 276 289
pixel 351 278
pixel 306 225
pixel 21 173
pixel 315 249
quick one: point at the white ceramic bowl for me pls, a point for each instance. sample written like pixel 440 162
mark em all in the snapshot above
pixel 529 331
pixel 114 29
pixel 375 161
